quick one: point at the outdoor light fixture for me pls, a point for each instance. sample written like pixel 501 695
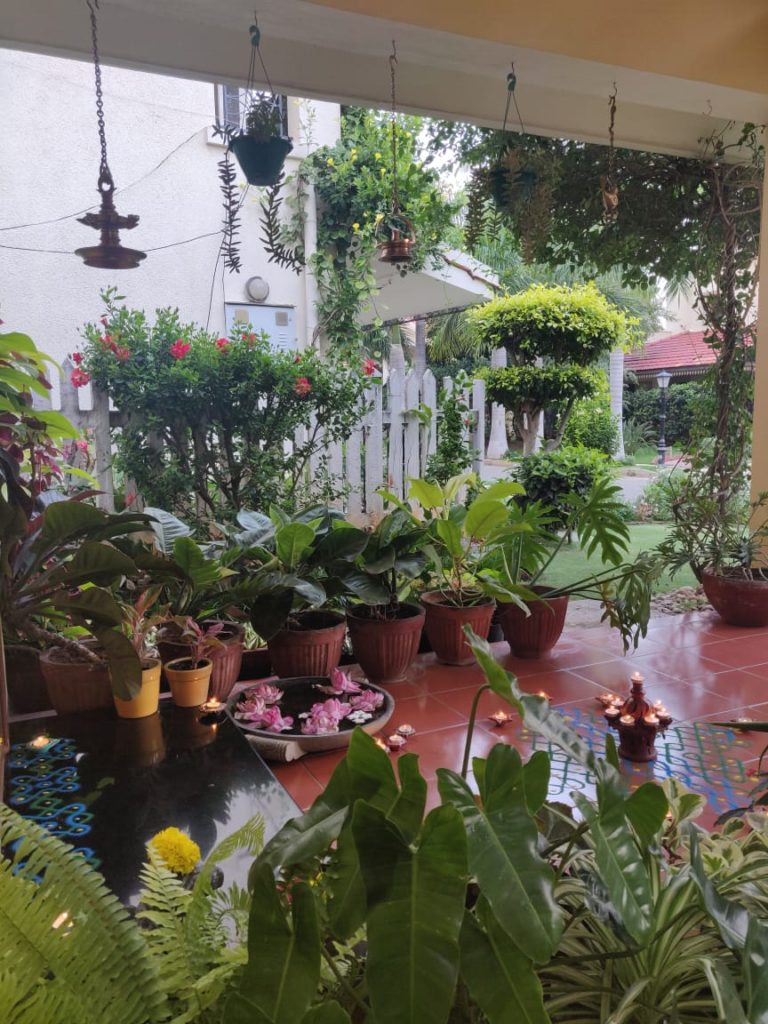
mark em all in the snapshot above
pixel 662 379
pixel 398 248
pixel 109 254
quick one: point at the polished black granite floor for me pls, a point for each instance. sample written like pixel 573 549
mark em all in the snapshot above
pixel 106 785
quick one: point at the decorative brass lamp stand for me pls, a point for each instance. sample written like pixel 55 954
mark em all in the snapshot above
pixel 637 720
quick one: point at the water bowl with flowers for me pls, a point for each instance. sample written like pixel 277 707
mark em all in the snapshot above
pixel 291 717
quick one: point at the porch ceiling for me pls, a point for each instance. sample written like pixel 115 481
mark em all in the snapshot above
pixel 681 68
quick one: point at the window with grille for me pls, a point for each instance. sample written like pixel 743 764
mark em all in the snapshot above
pixel 231 103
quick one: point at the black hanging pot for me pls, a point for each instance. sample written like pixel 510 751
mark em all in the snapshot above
pixel 261 160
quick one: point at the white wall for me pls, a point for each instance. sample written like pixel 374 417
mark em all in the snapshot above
pixel 49 161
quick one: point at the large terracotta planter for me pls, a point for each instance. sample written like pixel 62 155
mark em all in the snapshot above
pixel 255 664
pixel 75 686
pixel 444 625
pixel 26 683
pixel 384 648
pixel 189 683
pixel 737 599
pixel 532 636
pixel 312 650
pixel 147 699
pixel 226 660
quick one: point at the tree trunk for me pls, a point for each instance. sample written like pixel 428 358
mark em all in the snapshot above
pixel 616 380
pixel 498 444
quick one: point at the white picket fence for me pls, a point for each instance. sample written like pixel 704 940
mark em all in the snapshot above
pixel 397 431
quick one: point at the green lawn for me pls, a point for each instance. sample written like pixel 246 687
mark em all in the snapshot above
pixel 572 564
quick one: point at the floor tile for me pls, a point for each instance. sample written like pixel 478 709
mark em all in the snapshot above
pixel 738 653
pixel 301 785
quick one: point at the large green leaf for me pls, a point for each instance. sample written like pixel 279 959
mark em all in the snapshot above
pixel 729 1005
pixel 731 918
pixel 483 517
pixel 283 969
pixel 502 841
pixel 202 572
pixel 326 1013
pixel 292 542
pixel 407 812
pixel 124 663
pixel 501 979
pixel 346 890
pixel 500 490
pixel 428 495
pixel 366 588
pixel 343 543
pixel 449 533
pixel 166 528
pixel 66 519
pixel 269 611
pixel 415 909
pixel 95 562
pixel 601 524
pixel 93 605
pixel 646 809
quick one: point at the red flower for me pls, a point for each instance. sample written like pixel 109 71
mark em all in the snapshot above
pixel 302 387
pixel 79 378
pixel 180 348
pixel 370 367
pixel 297 359
pixel 77 358
pixel 122 353
pixel 222 344
pixel 104 322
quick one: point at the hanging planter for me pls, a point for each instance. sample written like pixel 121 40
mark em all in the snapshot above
pixel 261 159
pixel 397 233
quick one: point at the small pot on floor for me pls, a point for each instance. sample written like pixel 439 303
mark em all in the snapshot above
pixel 444 625
pixel 385 647
pixel 310 646
pixel 739 598
pixel 146 701
pixel 532 636
pixel 189 681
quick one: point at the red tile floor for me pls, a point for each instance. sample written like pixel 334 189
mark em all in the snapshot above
pixel 701 668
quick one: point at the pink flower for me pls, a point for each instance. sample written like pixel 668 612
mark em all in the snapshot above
pixel 340 683
pixel 325 717
pixel 302 387
pixel 180 348
pixel 273 721
pixel 79 378
pixel 222 344
pixel 269 694
pixel 122 353
pixel 77 358
pixel 370 367
pixel 368 701
pixel 82 446
pixel 251 709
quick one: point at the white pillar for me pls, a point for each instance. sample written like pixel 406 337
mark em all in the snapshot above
pixel 760 406
pixel 497 438
pixel 616 382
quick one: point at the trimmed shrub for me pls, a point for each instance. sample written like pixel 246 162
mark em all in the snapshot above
pixel 549 477
pixel 686 404
pixel 592 424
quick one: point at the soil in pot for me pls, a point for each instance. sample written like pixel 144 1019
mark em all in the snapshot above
pixel 310 647
pixel 75 685
pixel 385 647
pixel 739 599
pixel 26 683
pixel 146 700
pixel 444 625
pixel 534 635
pixel 189 681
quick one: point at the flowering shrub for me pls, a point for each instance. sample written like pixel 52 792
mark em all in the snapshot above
pixel 208 418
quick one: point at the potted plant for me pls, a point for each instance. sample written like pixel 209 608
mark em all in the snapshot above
pixel 725 543
pixel 384 628
pixel 261 148
pixel 521 553
pixel 189 676
pixel 140 624
pixel 457 535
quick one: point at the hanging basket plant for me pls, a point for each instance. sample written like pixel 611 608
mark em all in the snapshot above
pixel 261 148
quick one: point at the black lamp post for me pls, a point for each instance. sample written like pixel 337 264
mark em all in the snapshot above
pixel 662 379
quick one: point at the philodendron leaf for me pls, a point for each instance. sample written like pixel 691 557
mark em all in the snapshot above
pixel 415 908
pixel 283 969
pixel 501 979
pixel 346 891
pixel 93 605
pixel 96 563
pixel 326 1013
pixel 428 495
pixel 407 812
pixel 503 853
pixel 123 661
pixel 483 517
pixel 292 542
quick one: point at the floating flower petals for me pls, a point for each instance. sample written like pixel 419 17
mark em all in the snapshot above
pixel 340 683
pixel 269 694
pixel 368 700
pixel 359 717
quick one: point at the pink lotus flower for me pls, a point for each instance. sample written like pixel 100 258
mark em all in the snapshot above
pixel 252 709
pixel 79 378
pixel 273 721
pixel 368 701
pixel 325 717
pixel 222 344
pixel 302 387
pixel 180 348
pixel 269 694
pixel 340 683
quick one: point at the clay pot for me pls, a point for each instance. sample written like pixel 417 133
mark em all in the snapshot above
pixel 26 684
pixel 147 699
pixel 384 648
pixel 75 685
pixel 255 664
pixel 226 660
pixel 534 635
pixel 444 625
pixel 312 650
pixel 737 599
pixel 189 683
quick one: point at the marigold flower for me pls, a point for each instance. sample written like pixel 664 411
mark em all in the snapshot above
pixel 180 348
pixel 302 387
pixel 79 378
pixel 176 850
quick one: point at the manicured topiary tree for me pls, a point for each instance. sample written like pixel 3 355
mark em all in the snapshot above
pixel 552 336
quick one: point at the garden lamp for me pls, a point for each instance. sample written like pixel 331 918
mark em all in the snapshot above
pixel 663 378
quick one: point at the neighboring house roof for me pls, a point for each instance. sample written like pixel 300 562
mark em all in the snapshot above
pixel 685 353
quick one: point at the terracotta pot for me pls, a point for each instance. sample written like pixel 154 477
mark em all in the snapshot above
pixel 384 648
pixel 189 685
pixel 444 625
pixel 75 685
pixel 533 635
pixel 146 701
pixel 255 664
pixel 226 660
pixel 738 600
pixel 26 684
pixel 313 650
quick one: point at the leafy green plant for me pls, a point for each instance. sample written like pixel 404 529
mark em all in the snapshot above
pixel 452 454
pixel 263 119
pixel 688 411
pixel 637 434
pixel 658 497
pixel 552 478
pixel 592 424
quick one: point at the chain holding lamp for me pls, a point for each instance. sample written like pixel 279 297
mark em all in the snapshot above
pixel 398 247
pixel 109 254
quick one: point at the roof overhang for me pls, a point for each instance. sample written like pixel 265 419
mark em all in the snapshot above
pixel 453 56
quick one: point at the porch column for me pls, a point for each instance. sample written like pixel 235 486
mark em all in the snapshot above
pixel 760 409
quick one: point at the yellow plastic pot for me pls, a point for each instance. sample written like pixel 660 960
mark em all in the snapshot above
pixel 189 685
pixel 146 701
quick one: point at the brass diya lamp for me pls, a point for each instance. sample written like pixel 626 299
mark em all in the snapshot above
pixel 637 721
